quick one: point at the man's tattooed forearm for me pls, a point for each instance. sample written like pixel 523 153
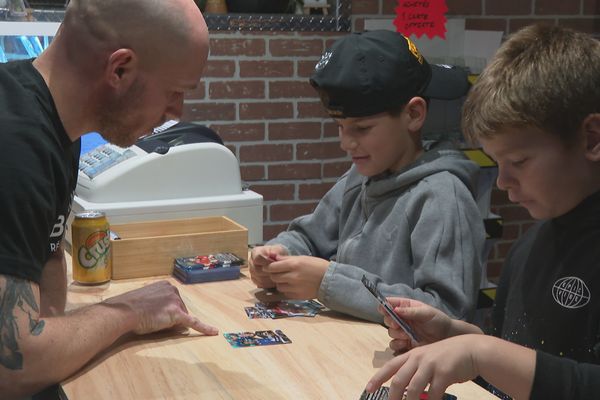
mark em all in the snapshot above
pixel 17 293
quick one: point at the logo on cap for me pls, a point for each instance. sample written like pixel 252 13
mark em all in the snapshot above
pixel 324 60
pixel 413 49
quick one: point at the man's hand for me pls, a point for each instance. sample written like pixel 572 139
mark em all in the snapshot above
pixel 159 306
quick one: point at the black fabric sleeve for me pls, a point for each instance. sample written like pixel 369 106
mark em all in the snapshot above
pixel 564 379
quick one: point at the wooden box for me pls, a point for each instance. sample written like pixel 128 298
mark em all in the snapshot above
pixel 148 248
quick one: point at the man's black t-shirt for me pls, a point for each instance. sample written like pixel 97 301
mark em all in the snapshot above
pixel 38 172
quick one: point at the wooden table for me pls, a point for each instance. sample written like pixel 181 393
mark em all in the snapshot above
pixel 331 356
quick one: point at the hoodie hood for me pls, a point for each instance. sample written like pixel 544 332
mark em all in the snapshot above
pixel 438 157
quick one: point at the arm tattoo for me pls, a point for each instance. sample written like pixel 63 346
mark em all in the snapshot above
pixel 17 294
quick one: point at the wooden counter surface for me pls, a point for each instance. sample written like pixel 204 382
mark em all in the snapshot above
pixel 331 356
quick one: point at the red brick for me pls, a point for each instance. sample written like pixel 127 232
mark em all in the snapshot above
pixel 197 94
pixel 294 130
pixel 240 132
pixel 330 42
pixel 494 269
pixel 359 25
pixel 330 129
pixel 556 7
pixel 520 7
pixel 291 89
pixel 252 172
pixel 294 171
pixel 487 24
pixel 587 25
pixel 525 226
pixel 266 69
pixel 389 7
pixel 499 197
pixel 510 231
pixel 232 149
pixel 336 169
pixel 365 7
pixel 306 67
pixel 208 112
pixel 266 152
pixel 312 110
pixel 237 47
pixel 219 69
pixel 502 249
pixel 591 7
pixel 237 90
pixel 514 213
pixel 319 151
pixel 295 47
pixel 275 192
pixel 313 191
pixel 264 111
pixel 516 24
pixel 287 212
pixel 464 7
pixel 272 230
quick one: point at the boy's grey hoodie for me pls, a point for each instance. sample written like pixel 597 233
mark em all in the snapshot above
pixel 417 233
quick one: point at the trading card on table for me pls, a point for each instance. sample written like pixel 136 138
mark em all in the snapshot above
pixel 292 308
pixel 425 396
pixel 257 338
pixel 255 312
pixel 380 394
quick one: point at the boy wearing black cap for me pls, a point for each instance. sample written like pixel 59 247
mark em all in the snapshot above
pixel 404 217
pixel 536 110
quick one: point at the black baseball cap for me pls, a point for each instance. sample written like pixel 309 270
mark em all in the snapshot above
pixel 368 73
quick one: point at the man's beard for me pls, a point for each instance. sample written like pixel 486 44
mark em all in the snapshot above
pixel 117 120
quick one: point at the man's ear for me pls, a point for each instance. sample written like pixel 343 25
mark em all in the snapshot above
pixel 591 131
pixel 416 110
pixel 121 69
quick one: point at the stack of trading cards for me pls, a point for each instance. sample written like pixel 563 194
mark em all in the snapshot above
pixel 383 393
pixel 380 394
pixel 207 268
pixel 257 338
pixel 284 309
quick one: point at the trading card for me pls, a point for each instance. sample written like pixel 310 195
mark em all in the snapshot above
pixel 292 308
pixel 257 338
pixel 389 309
pixel 380 394
pixel 383 393
pixel 256 312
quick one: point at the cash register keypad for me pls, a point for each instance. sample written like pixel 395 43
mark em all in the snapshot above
pixel 102 158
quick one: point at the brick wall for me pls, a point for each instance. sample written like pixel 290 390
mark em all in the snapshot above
pixel 255 94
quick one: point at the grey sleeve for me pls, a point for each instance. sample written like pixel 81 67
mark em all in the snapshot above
pixel 315 234
pixel 446 242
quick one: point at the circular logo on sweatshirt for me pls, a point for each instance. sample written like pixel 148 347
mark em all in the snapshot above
pixel 571 292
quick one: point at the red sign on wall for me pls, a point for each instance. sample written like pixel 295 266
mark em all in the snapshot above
pixel 420 17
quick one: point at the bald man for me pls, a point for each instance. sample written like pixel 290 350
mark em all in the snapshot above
pixel 119 67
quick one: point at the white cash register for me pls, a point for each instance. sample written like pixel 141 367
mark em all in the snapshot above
pixel 180 172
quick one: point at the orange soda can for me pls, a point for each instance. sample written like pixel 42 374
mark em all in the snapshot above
pixel 92 261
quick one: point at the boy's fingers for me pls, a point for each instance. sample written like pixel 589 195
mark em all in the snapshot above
pixel 385 373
